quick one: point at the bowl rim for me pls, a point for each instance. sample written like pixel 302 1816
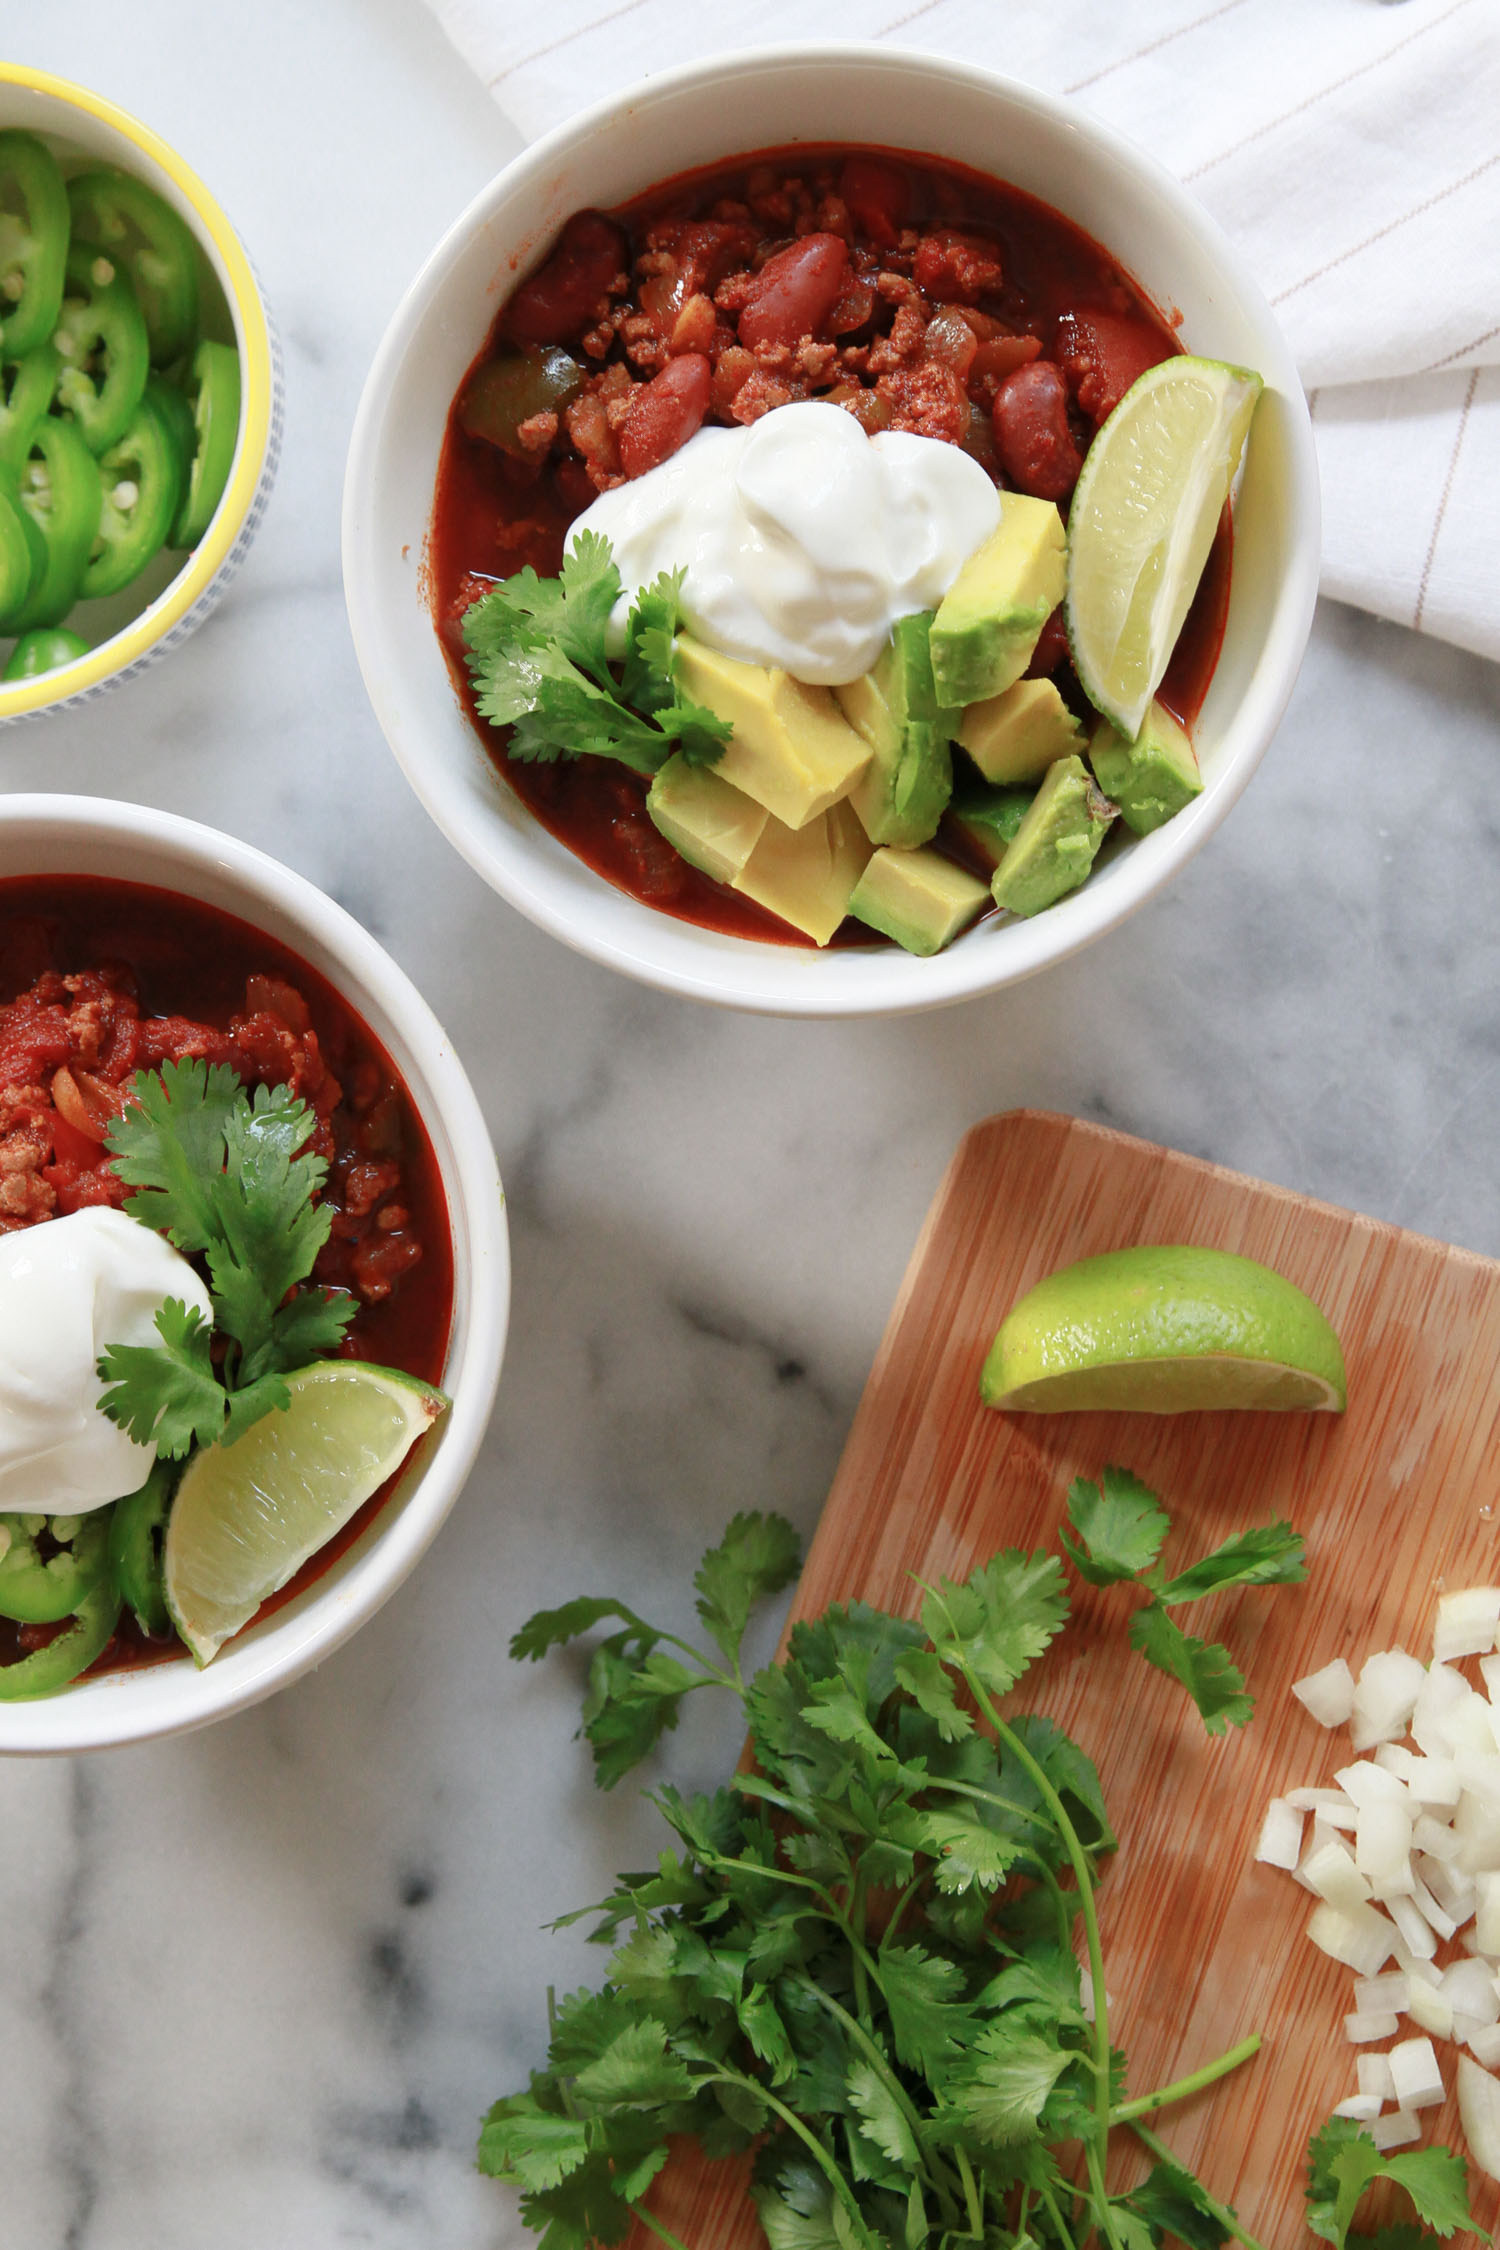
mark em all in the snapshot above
pixel 127 1707
pixel 963 971
pixel 257 377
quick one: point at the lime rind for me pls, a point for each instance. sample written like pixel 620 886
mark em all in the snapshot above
pixel 247 1516
pixel 1142 521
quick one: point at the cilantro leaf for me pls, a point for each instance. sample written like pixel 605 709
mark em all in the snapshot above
pixel 1001 1619
pixel 1206 1670
pixel 166 1394
pixel 634 2071
pixel 1343 2161
pixel 921 1672
pixel 521 2141
pixel 757 1556
pixel 1171 2202
pixel 550 1628
pixel 1273 1555
pixel 1120 1526
pixel 1004 2086
pixel 169 1147
pixel 928 2020
pixel 649 633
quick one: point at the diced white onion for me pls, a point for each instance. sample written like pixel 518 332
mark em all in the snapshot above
pixel 1396 2128
pixel 1441 1925
pixel 1487 1910
pixel 1470 1986
pixel 1327 1695
pixel 1484 2045
pixel 1361 2107
pixel 1369 1784
pixel 1479 2109
pixel 1413 1929
pixel 1363 2028
pixel 1429 2009
pixel 1466 1623
pixel 1330 1872
pixel 1389 1991
pixel 1331 1805
pixel 1374 2075
pixel 1415 2074
pixel 1362 1939
pixel 1382 1848
pixel 1435 1783
pixel 1280 1835
pixel 1435 1839
pixel 1385 1697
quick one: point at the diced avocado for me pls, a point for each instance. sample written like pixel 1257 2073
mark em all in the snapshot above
pixel 792 750
pixel 894 708
pixel 715 828
pixel 1150 778
pixel 1018 734
pixel 918 898
pixel 988 818
pixel 807 874
pixel 1054 847
pixel 991 617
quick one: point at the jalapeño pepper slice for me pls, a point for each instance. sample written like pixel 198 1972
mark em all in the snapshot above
pixel 137 1528
pixel 214 390
pixel 45 650
pixel 101 335
pixel 134 227
pixel 38 1592
pixel 23 551
pixel 142 474
pixel 62 492
pixel 33 242
pixel 73 1651
pixel 26 391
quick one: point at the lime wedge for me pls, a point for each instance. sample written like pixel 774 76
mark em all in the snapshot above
pixel 1143 518
pixel 247 1516
pixel 1164 1329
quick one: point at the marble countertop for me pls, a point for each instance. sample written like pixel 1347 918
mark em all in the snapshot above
pixel 261 1982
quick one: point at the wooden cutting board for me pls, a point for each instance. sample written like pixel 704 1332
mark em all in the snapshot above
pixel 1395 1498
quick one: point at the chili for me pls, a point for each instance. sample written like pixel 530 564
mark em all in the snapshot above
pixel 33 242
pixel 127 220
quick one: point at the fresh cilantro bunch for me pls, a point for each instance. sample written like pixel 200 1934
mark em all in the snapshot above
pixel 1343 2162
pixel 1120 1531
pixel 538 662
pixel 226 1175
pixel 859 1958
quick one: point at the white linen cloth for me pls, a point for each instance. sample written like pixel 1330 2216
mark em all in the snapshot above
pixel 1351 148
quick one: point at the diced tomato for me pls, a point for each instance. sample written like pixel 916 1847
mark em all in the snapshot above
pixel 951 265
pixel 1102 354
pixel 1051 648
pixel 561 299
pixel 877 196
pixel 665 412
pixel 795 291
pixel 71 1147
pixel 1032 434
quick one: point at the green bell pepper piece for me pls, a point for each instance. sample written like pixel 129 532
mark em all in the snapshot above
pixel 214 392
pixel 37 1592
pixel 137 1529
pixel 132 225
pixel 33 242
pixel 506 392
pixel 101 334
pixel 45 650
pixel 143 474
pixel 61 489
pixel 53 1667
pixel 23 551
pixel 26 392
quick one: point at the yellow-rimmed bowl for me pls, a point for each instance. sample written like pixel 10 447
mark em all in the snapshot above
pixel 149 618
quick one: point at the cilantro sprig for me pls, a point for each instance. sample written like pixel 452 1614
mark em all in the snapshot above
pixel 537 656
pixel 861 1957
pixel 226 1175
pixel 1119 1530
pixel 1343 2161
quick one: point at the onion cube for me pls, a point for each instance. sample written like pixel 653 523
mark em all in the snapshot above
pixel 1369 1784
pixel 1280 1835
pixel 1415 2074
pixel 1487 1910
pixel 1466 1623
pixel 1327 1695
pixel 1479 2110
pixel 1415 1933
pixel 1395 2129
pixel 1374 2075
pixel 1441 1924
pixel 1385 1697
pixel 1332 1805
pixel 1381 1993
pixel 1484 2044
pixel 1359 1937
pixel 1330 1872
pixel 1361 2107
pixel 1441 1690
pixel 1362 2029
pixel 1470 1986
pixel 1382 1848
pixel 1435 1782
pixel 1429 2009
pixel 1435 1839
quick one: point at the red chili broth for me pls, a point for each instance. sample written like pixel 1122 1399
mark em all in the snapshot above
pixel 193 960
pixel 486 524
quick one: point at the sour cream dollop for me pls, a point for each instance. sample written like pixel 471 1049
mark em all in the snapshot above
pixel 68 1289
pixel 803 540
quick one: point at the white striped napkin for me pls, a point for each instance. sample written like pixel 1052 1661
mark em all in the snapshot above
pixel 1351 147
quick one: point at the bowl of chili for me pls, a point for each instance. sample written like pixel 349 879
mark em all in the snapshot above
pixel 133 938
pixel 140 396
pixel 413 528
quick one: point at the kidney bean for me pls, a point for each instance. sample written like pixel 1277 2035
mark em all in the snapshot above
pixel 1051 648
pixel 664 413
pixel 1103 353
pixel 556 303
pixel 1032 435
pixel 795 291
pixel 877 196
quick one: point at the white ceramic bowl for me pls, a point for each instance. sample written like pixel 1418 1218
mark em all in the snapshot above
pixel 712 112
pixel 174 593
pixel 41 835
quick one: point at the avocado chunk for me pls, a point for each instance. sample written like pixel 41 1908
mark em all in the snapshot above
pixel 715 828
pixel 989 621
pixel 987 818
pixel 1150 778
pixel 894 709
pixel 807 875
pixel 918 898
pixel 792 749
pixel 1055 845
pixel 1018 734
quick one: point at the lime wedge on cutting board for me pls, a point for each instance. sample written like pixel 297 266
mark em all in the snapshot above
pixel 247 1516
pixel 1142 521
pixel 1164 1329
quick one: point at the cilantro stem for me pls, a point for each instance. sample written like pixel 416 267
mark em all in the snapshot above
pixel 890 2081
pixel 639 2211
pixel 816 2150
pixel 1056 2217
pixel 1193 2083
pixel 973 2201
pixel 1220 2211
